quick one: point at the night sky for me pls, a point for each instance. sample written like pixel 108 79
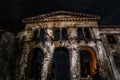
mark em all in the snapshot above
pixel 13 11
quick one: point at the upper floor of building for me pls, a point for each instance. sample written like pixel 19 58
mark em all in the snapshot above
pixel 65 25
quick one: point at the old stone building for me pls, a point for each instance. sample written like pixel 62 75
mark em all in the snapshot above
pixel 66 45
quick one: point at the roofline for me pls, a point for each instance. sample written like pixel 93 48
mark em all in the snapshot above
pixel 42 16
pixel 109 26
pixel 57 20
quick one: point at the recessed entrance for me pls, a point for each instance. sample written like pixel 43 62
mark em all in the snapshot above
pixel 61 66
pixel 88 62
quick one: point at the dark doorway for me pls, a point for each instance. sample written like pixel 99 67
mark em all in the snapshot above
pixel 85 63
pixel 61 66
pixel 36 63
pixel 88 62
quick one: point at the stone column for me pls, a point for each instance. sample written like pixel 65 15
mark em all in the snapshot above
pixel 72 33
pixel 92 33
pixel 49 34
pixel 98 45
pixel 100 53
pixel 74 62
pixel 102 56
pixel 118 36
pixel 96 33
pixel 49 50
pixel 28 37
pixel 73 51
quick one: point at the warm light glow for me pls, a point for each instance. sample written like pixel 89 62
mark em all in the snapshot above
pixel 93 60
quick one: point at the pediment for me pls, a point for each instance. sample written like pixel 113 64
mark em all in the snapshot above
pixel 60 15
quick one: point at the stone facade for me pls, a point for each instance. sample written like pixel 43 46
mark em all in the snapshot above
pixel 77 32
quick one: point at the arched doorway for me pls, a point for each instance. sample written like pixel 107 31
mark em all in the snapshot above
pixel 88 62
pixel 35 64
pixel 61 64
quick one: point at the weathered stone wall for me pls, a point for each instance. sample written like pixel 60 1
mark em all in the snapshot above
pixel 112 49
pixel 103 61
pixel 71 44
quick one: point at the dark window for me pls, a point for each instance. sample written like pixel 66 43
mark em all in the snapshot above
pixel 57 34
pixel 80 33
pixel 42 35
pixel 111 39
pixel 87 33
pixel 85 63
pixel 36 63
pixel 64 34
pixel 35 34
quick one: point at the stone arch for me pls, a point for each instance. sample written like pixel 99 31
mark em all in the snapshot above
pixel 35 63
pixel 93 59
pixel 61 64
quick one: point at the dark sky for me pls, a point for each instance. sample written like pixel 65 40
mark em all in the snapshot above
pixel 13 11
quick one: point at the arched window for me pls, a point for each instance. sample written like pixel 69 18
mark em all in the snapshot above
pixel 42 35
pixel 35 34
pixel 64 34
pixel 36 63
pixel 57 34
pixel 87 33
pixel 61 66
pixel 80 33
pixel 60 34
